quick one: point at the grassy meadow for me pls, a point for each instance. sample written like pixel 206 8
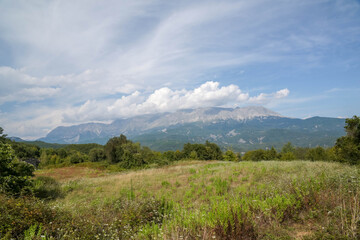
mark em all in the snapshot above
pixel 207 200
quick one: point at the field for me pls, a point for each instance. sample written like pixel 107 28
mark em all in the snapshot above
pixel 211 200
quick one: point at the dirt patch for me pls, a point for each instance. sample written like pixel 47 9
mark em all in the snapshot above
pixel 302 231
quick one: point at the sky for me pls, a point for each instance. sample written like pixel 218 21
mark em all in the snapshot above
pixel 70 62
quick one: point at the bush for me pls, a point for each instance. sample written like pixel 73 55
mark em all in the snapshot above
pixel 287 156
pixel 207 151
pixel 15 176
pixel 255 155
pixel 347 148
pixel 46 188
pixel 316 154
pixel 19 214
pixel 230 156
pixel 97 155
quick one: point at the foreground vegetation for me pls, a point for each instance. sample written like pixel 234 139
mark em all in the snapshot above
pixel 194 200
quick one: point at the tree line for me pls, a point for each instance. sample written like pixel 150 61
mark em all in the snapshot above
pixel 127 154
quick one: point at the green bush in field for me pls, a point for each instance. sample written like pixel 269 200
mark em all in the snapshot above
pixel 18 214
pixel 347 148
pixel 317 154
pixel 255 155
pixel 173 155
pixel 46 188
pixel 97 155
pixel 230 156
pixel 15 176
pixel 207 151
pixel 122 218
pixel 287 156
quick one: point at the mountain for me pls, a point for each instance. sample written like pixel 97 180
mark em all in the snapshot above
pixel 239 128
pixel 99 132
pixel 16 139
pixel 40 144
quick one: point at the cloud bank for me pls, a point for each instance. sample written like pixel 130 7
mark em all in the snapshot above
pixel 167 100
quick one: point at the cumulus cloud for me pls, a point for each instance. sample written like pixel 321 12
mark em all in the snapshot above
pixel 167 100
pixel 264 98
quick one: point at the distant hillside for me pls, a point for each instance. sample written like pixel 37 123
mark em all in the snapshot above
pixel 256 133
pixel 239 128
pixel 40 144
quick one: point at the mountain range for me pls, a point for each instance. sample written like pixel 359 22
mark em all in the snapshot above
pixel 241 129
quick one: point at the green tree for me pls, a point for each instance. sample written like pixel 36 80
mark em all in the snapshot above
pixel 255 155
pixel 352 129
pixel 23 150
pixel 347 148
pixel 76 157
pixel 193 155
pixel 214 151
pixel 271 154
pixel 15 176
pixel 287 152
pixel 238 156
pixel 230 156
pixel 207 151
pixel 2 136
pixel 114 150
pixel 97 155
pixel 288 147
pixel 300 152
pixel 317 154
pixel 287 156
pixel 131 155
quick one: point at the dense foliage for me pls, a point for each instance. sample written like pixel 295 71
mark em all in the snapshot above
pixel 121 153
pixel 207 151
pixel 14 175
pixel 347 148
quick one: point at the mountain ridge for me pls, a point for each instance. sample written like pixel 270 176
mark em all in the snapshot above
pixel 141 123
pixel 237 128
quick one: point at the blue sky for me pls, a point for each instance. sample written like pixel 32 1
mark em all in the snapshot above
pixel 71 62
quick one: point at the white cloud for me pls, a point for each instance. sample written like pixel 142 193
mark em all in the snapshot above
pixel 167 100
pixel 264 98
pixel 36 120
pixel 282 93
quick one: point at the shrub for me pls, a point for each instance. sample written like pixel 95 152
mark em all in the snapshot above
pixel 19 214
pixel 316 154
pixel 230 156
pixel 287 156
pixel 97 155
pixel 46 188
pixel 255 155
pixel 15 176
pixel 238 226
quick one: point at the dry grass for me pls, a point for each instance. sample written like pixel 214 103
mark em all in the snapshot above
pixel 70 173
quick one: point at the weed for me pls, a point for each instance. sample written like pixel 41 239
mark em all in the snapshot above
pixel 192 171
pixel 165 184
pixel 238 227
pixel 221 186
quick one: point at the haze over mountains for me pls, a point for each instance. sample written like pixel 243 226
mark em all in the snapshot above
pixel 239 128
